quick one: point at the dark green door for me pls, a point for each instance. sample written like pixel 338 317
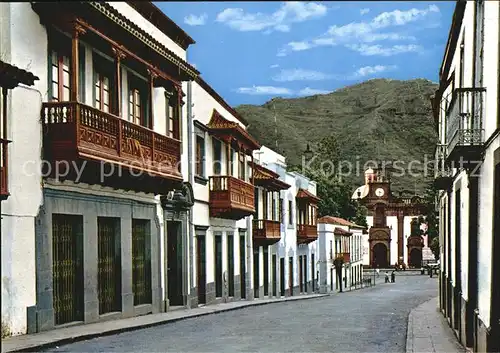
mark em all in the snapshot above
pixel 67 261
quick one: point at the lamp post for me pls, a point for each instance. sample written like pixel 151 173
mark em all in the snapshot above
pixel 308 153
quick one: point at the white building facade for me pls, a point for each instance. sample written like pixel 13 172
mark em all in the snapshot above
pixel 294 259
pixel 339 238
pixel 96 142
pixel 131 186
pixel 466 111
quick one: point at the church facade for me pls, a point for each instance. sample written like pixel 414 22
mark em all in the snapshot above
pixel 394 235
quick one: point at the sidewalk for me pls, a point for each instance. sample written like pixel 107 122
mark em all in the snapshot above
pixel 82 332
pixel 429 332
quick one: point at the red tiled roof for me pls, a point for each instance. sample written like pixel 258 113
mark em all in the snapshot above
pixel 218 122
pixel 338 221
pixel 266 177
pixel 304 194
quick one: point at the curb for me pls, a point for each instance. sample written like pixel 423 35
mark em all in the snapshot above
pixel 409 333
pixel 85 337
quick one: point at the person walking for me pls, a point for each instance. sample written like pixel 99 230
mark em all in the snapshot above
pixel 386 277
pixel 393 277
pixel 378 272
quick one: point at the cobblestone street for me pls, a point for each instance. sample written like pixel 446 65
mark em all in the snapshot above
pixel 370 320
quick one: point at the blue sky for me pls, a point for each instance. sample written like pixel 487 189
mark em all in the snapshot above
pixel 250 52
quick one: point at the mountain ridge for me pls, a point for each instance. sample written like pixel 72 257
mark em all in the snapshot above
pixel 376 119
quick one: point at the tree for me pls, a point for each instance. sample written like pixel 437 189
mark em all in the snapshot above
pixel 334 191
pixel 435 247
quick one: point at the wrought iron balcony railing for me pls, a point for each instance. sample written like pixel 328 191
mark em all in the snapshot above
pixel 464 118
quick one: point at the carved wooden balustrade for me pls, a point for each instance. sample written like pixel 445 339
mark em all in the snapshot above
pixel 266 232
pixel 75 131
pixel 230 197
pixel 344 256
pixel 4 189
pixel 306 233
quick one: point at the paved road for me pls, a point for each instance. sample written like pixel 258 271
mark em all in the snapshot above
pixel 370 320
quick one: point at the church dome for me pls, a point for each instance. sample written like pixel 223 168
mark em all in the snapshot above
pixel 360 192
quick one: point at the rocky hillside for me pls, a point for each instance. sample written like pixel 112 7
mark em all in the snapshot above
pixel 377 119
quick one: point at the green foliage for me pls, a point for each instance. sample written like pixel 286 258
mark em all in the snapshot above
pixel 335 192
pixel 5 330
pixel 376 119
pixel 435 247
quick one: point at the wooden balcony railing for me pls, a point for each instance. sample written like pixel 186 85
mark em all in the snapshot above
pixel 4 186
pixel 464 121
pixel 230 197
pixel 345 256
pixel 266 231
pixel 306 233
pixel 76 131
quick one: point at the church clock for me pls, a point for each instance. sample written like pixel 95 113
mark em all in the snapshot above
pixel 379 192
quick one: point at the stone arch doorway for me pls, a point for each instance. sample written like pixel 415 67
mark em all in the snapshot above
pixel 380 256
pixel 415 260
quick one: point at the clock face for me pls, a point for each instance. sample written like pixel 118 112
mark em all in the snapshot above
pixel 379 192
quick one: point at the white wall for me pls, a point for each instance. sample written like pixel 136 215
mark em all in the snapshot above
pixel 22 39
pixel 24 44
pixel 134 16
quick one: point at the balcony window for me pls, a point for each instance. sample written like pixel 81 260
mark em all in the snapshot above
pixel 172 115
pixel 137 101
pixel 200 156
pixel 231 162
pixel 241 168
pixel 102 94
pixel 217 159
pixel 103 76
pixel 265 204
pixel 60 76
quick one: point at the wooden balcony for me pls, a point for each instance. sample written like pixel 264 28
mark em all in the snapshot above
pixel 345 256
pixel 135 158
pixel 306 233
pixel 442 173
pixel 230 197
pixel 4 186
pixel 464 127
pixel 266 232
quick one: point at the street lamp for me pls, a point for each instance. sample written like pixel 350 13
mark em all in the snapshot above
pixel 308 153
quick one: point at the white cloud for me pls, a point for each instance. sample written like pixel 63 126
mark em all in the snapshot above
pixel 301 75
pixel 279 91
pixel 265 90
pixel 357 33
pixel 311 91
pixel 371 50
pixel 274 66
pixel 280 20
pixel 194 20
pixel 364 11
pixel 371 70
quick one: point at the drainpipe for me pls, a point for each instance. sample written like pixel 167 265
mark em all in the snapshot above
pixel 190 225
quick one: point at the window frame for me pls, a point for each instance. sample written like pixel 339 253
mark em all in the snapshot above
pixel 217 153
pixel 102 68
pixel 200 169
pixel 137 85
